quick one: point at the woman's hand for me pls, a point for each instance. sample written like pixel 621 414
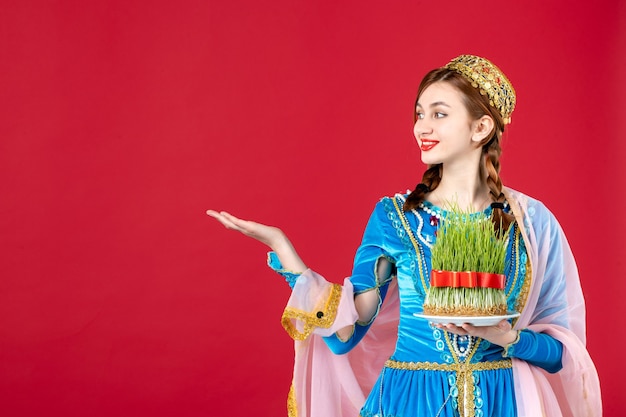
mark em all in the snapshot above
pixel 269 235
pixel 501 334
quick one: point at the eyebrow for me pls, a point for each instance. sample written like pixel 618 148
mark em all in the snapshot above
pixel 435 104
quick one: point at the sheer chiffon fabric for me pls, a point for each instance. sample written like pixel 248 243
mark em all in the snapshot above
pixel 575 390
pixel 332 385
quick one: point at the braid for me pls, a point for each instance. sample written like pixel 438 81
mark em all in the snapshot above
pixel 430 181
pixel 501 220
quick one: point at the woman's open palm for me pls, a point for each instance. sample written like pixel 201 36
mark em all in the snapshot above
pixel 269 235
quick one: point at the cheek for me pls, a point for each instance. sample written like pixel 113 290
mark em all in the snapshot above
pixel 454 129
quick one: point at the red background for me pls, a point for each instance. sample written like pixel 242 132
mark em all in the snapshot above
pixel 123 121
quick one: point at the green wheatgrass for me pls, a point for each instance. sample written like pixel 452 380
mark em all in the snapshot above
pixel 467 242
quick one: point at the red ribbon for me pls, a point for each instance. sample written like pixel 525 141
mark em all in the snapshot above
pixel 466 279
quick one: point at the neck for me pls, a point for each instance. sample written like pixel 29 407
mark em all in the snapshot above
pixel 462 188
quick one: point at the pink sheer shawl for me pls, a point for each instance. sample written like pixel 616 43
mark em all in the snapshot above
pixel 575 390
pixel 329 385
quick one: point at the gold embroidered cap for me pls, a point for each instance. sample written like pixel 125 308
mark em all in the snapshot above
pixel 489 80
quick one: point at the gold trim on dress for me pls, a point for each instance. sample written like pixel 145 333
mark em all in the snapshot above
pixel 432 366
pixel 416 246
pixel 522 298
pixel 292 405
pixel 323 317
pixel 463 375
pixel 516 207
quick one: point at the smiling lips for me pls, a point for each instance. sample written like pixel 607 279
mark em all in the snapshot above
pixel 428 144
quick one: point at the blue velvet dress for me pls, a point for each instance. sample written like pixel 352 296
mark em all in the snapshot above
pixel 432 372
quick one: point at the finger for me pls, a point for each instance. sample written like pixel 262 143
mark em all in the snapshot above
pixel 229 225
pixel 242 225
pixel 468 327
pixel 222 219
pixel 230 217
pixel 212 213
pixel 230 221
pixel 453 328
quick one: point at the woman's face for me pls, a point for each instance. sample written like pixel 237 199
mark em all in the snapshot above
pixel 444 130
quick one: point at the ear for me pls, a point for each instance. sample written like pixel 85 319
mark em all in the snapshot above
pixel 481 128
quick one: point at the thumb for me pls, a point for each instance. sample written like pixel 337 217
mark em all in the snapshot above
pixel 504 325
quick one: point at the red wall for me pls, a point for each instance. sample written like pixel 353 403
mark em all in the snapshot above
pixel 123 121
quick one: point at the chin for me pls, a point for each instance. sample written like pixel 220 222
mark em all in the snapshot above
pixel 428 160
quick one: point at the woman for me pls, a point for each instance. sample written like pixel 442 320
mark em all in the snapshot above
pixel 533 365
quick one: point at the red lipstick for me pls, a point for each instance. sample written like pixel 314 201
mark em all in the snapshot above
pixel 427 144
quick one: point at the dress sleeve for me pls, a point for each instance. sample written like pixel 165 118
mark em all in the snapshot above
pixel 373 269
pixel 374 265
pixel 321 307
pixel 274 263
pixel 538 349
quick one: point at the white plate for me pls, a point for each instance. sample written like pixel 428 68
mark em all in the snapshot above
pixel 459 320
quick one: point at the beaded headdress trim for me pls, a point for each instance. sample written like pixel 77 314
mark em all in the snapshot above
pixel 489 80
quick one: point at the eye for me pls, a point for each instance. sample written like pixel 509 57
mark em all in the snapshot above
pixel 419 115
pixel 439 115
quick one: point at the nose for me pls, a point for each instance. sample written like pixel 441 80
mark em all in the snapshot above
pixel 421 128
